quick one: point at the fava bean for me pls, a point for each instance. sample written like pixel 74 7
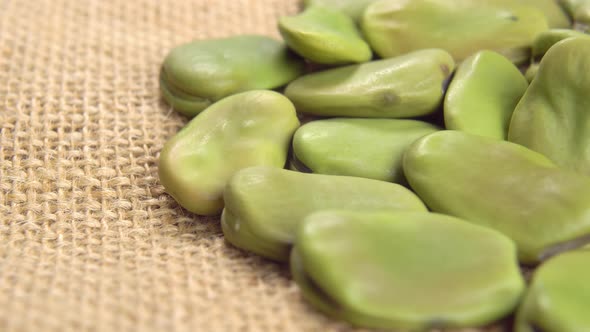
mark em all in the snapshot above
pixel 197 74
pixel 504 186
pixel 406 86
pixel 460 27
pixel 405 270
pixel 552 117
pixel 247 129
pixel 482 95
pixel 264 205
pixel 368 148
pixel 559 296
pixel 324 36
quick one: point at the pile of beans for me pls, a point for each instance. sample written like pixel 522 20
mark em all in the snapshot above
pixel 406 158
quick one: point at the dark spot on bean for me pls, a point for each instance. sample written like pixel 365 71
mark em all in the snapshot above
pixel 445 70
pixel 513 18
pixel 388 98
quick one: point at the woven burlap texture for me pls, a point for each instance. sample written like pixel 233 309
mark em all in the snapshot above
pixel 89 240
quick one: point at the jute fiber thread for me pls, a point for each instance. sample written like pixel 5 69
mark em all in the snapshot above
pixel 89 240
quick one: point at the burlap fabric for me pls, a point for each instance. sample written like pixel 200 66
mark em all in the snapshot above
pixel 89 240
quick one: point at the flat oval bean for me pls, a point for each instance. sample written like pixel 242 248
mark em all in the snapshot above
pixel 324 36
pixel 199 73
pixel 504 186
pixel 397 27
pixel 553 116
pixel 405 270
pixel 265 205
pixel 559 296
pixel 368 148
pixel 483 94
pixel 247 129
pixel 406 86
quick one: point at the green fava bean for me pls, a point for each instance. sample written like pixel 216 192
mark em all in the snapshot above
pixel 264 205
pixel 197 74
pixel 368 148
pixel 559 296
pixel 483 94
pixel 557 17
pixel 545 40
pixel 504 186
pixel 406 86
pixel 324 36
pixel 552 117
pixel 247 129
pixel 462 27
pixel 405 270
pixel 352 8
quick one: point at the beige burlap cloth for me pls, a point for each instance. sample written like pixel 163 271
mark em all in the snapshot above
pixel 89 240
